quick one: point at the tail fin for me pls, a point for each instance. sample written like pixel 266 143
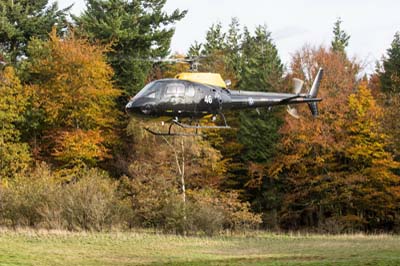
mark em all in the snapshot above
pixel 314 91
pixel 315 87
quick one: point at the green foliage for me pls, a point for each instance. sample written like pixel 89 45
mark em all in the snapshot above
pixel 390 75
pixel 251 62
pixel 340 38
pixel 14 155
pixel 262 68
pixel 262 127
pixel 23 20
pixel 391 127
pixel 261 71
pixel 215 39
pixel 135 29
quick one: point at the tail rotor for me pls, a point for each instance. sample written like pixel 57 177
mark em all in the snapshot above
pixel 312 94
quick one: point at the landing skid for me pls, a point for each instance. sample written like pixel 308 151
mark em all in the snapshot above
pixel 183 125
pixel 171 134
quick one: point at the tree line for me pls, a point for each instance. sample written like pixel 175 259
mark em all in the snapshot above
pixel 70 158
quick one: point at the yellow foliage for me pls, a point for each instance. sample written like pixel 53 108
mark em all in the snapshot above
pixel 14 155
pixel 80 146
pixel 73 88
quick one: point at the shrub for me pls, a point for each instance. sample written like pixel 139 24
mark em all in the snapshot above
pixel 225 208
pixel 25 199
pixel 42 199
pixel 91 202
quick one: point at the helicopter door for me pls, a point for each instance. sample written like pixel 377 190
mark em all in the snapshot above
pixel 174 98
pixel 190 101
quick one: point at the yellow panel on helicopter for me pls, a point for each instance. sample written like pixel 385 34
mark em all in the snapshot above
pixel 214 79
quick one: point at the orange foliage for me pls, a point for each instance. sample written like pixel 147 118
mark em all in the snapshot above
pixel 80 146
pixel 307 138
pixel 335 167
pixel 73 88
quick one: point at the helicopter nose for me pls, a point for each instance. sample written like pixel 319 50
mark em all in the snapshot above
pixel 134 107
pixel 130 108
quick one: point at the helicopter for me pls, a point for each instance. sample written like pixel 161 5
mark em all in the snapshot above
pixel 194 95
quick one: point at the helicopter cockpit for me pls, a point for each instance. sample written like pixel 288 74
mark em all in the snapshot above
pixel 148 91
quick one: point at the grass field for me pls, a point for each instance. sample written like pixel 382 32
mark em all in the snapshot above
pixel 63 248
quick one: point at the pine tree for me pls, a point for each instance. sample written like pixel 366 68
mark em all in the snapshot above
pixel 340 38
pixel 195 49
pixel 388 81
pixel 215 39
pixel 233 43
pixel 390 75
pixel 137 30
pixel 23 19
pixel 252 63
pixel 262 70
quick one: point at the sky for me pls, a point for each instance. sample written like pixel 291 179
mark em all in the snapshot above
pixel 293 23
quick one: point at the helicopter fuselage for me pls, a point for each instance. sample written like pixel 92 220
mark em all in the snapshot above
pixel 187 99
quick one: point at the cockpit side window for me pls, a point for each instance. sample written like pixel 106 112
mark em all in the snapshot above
pixel 147 90
pixel 175 89
pixel 171 89
pixel 152 95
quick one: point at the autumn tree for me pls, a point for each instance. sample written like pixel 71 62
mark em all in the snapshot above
pixel 72 90
pixel 22 20
pixel 136 30
pixel 308 164
pixel 14 155
pixel 373 187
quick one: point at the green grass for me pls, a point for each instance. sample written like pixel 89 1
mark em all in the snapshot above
pixel 63 248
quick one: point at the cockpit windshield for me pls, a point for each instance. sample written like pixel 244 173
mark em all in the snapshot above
pixel 148 89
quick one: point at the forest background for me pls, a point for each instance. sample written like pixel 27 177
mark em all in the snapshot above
pixel 71 159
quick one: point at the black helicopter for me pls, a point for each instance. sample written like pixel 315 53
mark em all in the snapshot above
pixel 194 95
